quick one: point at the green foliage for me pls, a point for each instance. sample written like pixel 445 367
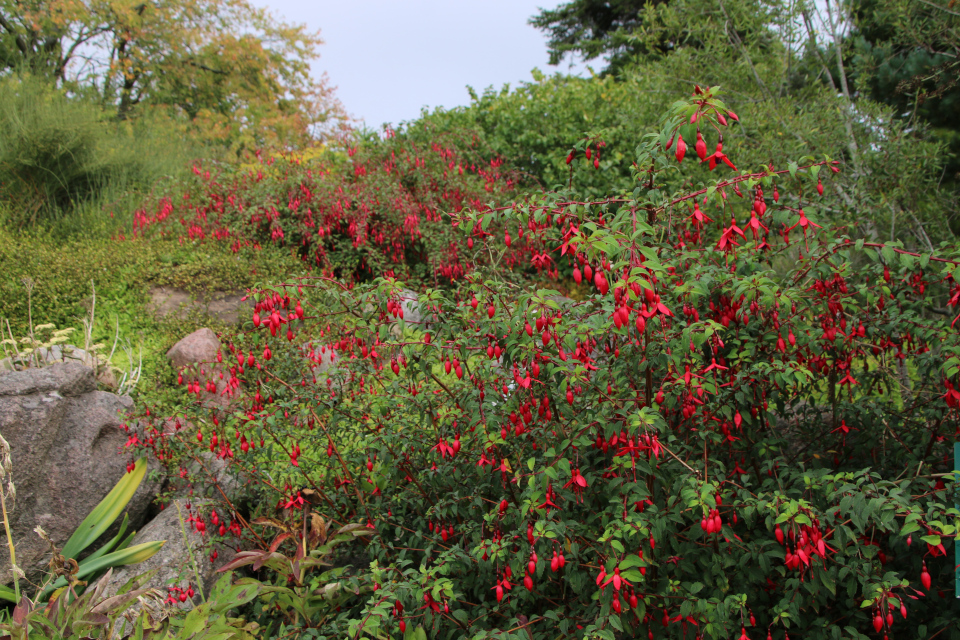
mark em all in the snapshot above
pixel 786 88
pixel 108 510
pixel 302 595
pixel 592 29
pixel 123 273
pixel 212 620
pixel 60 158
pixel 535 126
pixel 76 617
pixel 116 552
pixel 904 54
pixel 93 614
pixel 702 439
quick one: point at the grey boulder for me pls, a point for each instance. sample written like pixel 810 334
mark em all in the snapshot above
pixel 67 448
pixel 183 549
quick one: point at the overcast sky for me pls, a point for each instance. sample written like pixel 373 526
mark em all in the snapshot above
pixel 390 58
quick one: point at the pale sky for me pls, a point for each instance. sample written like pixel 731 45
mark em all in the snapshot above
pixel 390 58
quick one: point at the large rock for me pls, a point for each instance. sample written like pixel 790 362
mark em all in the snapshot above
pixel 209 475
pixel 66 353
pixel 174 561
pixel 413 314
pixel 200 346
pixel 410 303
pixel 67 447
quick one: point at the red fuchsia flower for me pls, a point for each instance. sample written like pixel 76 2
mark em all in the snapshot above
pixel 755 225
pixel 548 503
pixel 954 301
pixel 443 449
pixel 952 395
pixel 662 308
pixel 617 581
pixel 698 217
pixel 718 156
pixel 579 483
pixel 601 578
pixel 681 148
pixel 295 502
pixel 803 223
pixel 848 379
pixel 713 365
pixel 502 586
pixel 726 241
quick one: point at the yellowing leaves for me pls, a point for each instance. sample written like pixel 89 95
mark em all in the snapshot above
pixel 233 72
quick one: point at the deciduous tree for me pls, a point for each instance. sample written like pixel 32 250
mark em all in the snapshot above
pixel 229 68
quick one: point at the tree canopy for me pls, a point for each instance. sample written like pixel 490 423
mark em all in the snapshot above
pixel 592 28
pixel 226 66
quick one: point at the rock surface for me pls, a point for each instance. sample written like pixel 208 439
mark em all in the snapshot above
pixel 174 561
pixel 200 346
pixel 410 303
pixel 67 450
pixel 226 306
pixel 68 353
pixel 212 475
pixel 196 356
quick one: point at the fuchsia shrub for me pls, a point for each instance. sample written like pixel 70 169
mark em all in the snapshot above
pixel 743 430
pixel 380 206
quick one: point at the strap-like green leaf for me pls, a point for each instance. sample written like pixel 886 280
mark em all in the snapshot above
pixel 112 545
pixel 104 514
pixel 8 594
pixel 119 547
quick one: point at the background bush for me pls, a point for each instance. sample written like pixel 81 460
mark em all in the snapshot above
pixel 62 162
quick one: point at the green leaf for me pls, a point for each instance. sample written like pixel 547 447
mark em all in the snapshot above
pixel 115 543
pixel 196 620
pixel 828 581
pixel 104 514
pixel 616 624
pixel 8 594
pixel 632 575
pixel 131 555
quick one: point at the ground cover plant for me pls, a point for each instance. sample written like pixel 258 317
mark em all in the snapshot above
pixel 741 430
